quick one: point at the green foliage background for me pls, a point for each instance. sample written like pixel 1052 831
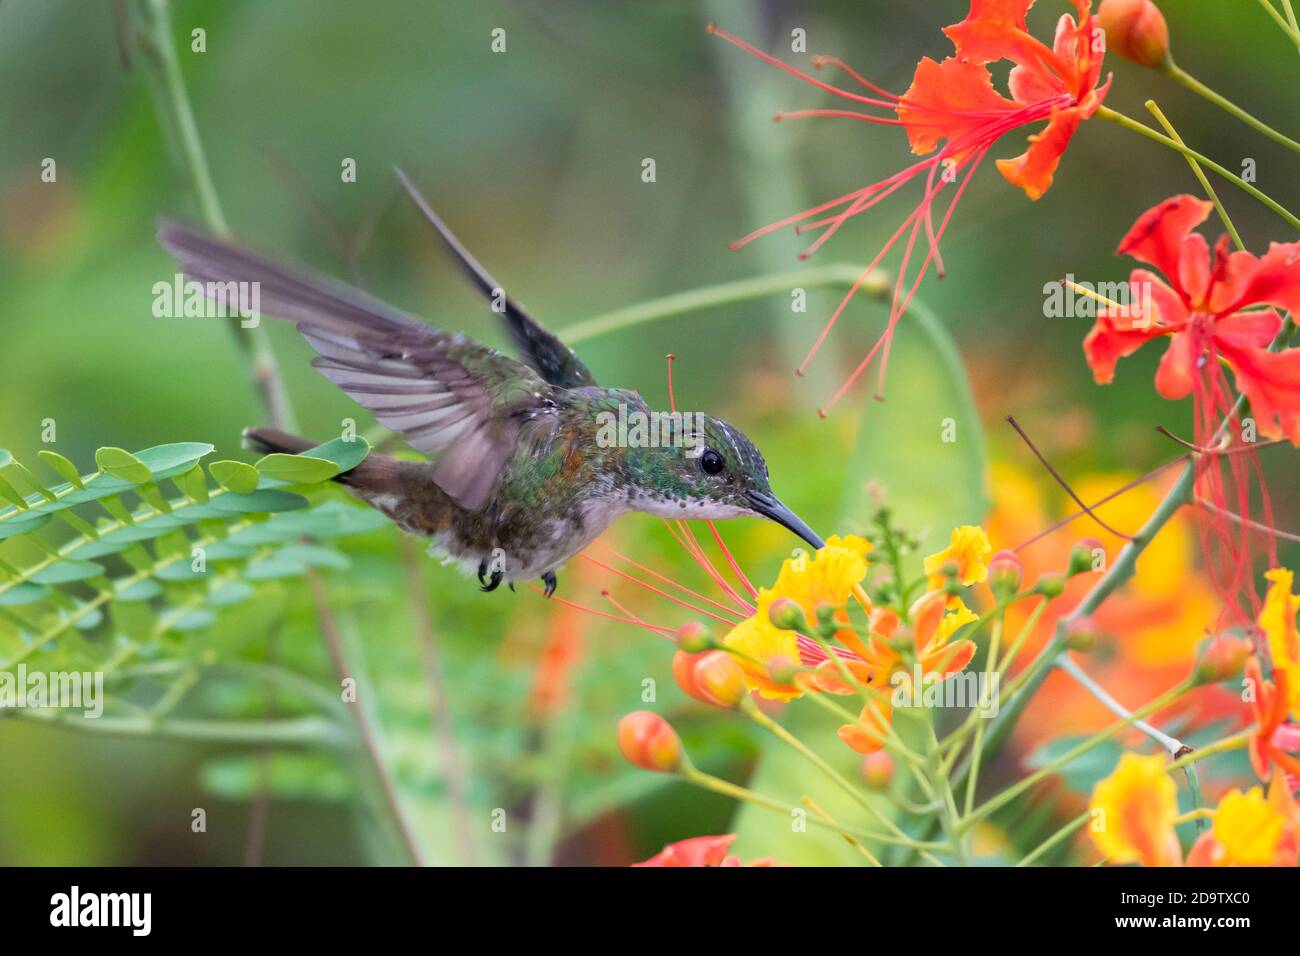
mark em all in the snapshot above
pixel 534 158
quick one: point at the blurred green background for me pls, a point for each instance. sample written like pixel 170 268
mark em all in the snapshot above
pixel 534 157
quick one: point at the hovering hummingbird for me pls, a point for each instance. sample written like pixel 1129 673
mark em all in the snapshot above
pixel 521 482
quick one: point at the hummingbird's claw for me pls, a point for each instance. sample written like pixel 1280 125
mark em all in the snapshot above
pixel 493 582
pixel 482 573
pixel 551 582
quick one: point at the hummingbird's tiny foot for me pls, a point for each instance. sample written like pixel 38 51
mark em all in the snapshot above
pixel 493 582
pixel 482 573
pixel 551 583
pixel 510 585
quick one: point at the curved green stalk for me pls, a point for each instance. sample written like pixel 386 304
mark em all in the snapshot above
pixel 1105 112
pixel 1179 75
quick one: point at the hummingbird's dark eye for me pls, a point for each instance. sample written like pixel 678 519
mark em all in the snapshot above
pixel 711 462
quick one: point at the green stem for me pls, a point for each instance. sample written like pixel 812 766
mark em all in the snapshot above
pixel 1199 174
pixel 1020 786
pixel 742 290
pixel 296 732
pixel 1105 112
pixel 990 665
pixel 737 792
pixel 1235 742
pixel 1288 28
pixel 1068 664
pixel 750 710
pixel 254 347
pixel 1055 839
pixel 1179 75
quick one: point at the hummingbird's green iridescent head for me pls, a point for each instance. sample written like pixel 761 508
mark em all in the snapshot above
pixel 711 470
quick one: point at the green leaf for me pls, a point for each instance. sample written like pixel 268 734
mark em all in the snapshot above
pixel 166 461
pixel 297 469
pixel 346 454
pixel 65 572
pixel 22 524
pixel 123 465
pixel 193 484
pixel 143 590
pixel 237 476
pixel 64 467
pixel 24 593
pixel 263 500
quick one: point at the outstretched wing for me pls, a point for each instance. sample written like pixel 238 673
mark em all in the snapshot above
pixel 553 360
pixel 444 393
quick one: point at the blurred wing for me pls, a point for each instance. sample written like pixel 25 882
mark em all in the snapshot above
pixel 445 393
pixel 554 361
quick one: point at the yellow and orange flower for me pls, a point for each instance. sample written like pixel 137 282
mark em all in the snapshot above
pixel 1250 830
pixel 1133 813
pixel 762 648
pixel 1277 620
pixel 968 552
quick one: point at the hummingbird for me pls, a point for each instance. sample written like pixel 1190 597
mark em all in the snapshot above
pixel 521 479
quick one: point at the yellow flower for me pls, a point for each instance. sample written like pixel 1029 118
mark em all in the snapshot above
pixel 1133 812
pixel 969 551
pixel 762 643
pixel 1277 619
pixel 827 577
pixel 1248 827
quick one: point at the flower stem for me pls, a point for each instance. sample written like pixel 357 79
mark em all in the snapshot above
pixel 1179 75
pixel 1068 664
pixel 1020 786
pixel 1131 124
pixel 742 290
pixel 1288 28
pixel 990 668
pixel 853 841
pixel 1056 838
pixel 1235 742
pixel 1199 174
pixel 737 792
pixel 253 345
pixel 750 710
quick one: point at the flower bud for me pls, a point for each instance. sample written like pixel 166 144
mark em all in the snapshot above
pixel 1136 30
pixel 782 670
pixel 694 637
pixel 684 665
pixel 787 615
pixel 720 680
pixel 649 742
pixel 1222 658
pixel 878 770
pixel 1081 633
pixel 1084 556
pixel 1006 571
pixel 1050 585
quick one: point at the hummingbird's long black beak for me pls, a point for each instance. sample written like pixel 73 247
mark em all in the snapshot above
pixel 769 506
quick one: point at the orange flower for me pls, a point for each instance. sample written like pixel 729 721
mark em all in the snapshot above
pixel 935 618
pixel 1133 812
pixel 872 728
pixel 1272 736
pixel 954 103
